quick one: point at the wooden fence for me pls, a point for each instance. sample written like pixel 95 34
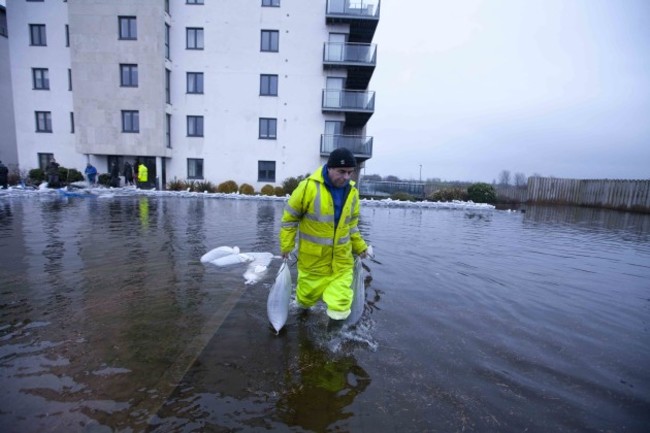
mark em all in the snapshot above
pixel 512 194
pixel 630 195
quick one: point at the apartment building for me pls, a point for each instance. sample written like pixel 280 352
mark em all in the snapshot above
pixel 254 91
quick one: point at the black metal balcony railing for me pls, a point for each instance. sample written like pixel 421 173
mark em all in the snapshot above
pixel 359 145
pixel 349 100
pixel 346 54
pixel 366 9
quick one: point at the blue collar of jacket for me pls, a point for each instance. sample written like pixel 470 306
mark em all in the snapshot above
pixel 339 195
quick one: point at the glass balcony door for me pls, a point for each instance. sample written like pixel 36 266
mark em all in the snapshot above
pixel 333 92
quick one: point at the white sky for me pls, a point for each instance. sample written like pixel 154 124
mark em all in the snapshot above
pixel 468 88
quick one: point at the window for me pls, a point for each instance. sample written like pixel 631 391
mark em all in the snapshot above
pixel 37 35
pixel 67 35
pixel 168 130
pixel 268 85
pixel 194 2
pixel 128 75
pixel 270 40
pixel 128 28
pixel 167 41
pixel 195 82
pixel 268 128
pixel 168 89
pixel 69 79
pixel 195 126
pixel 266 171
pixel 41 78
pixel 194 38
pixel 71 122
pixel 43 121
pixel 130 121
pixel 274 3
pixel 194 168
pixel 44 160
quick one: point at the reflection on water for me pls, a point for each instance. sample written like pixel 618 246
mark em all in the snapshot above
pixel 320 389
pixel 475 321
pixel 249 382
pixel 591 218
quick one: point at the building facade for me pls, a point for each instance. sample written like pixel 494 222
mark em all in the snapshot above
pixel 254 91
pixel 8 148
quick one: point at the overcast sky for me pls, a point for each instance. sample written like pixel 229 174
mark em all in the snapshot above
pixel 468 88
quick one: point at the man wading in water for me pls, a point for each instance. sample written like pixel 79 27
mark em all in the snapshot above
pixel 324 212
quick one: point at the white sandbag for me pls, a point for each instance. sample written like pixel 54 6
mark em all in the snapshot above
pixel 257 267
pixel 232 259
pixel 277 304
pixel 359 294
pixel 219 252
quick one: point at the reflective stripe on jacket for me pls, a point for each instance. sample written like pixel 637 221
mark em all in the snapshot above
pixel 309 213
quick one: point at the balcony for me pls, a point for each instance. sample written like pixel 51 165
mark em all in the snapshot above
pixel 358 59
pixel 359 145
pixel 357 105
pixel 362 16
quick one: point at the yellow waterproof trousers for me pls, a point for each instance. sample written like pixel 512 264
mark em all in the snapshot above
pixel 335 290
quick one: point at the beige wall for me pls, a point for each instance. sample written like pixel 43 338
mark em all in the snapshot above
pixel 96 53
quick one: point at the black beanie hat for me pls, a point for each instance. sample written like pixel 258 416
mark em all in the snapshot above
pixel 341 157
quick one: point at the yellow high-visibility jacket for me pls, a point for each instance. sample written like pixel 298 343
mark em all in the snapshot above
pixel 309 213
pixel 143 173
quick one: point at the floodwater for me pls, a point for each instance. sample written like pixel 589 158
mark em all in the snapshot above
pixel 476 321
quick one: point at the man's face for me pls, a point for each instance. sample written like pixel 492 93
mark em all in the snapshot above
pixel 340 175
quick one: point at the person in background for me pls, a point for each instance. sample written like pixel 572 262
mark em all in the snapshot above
pixel 4 175
pixel 143 175
pixel 91 174
pixel 128 173
pixel 53 173
pixel 115 175
pixel 323 212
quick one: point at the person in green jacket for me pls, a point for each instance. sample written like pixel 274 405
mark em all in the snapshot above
pixel 323 213
pixel 143 175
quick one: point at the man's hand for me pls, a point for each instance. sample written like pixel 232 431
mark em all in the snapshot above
pixel 285 256
pixel 367 253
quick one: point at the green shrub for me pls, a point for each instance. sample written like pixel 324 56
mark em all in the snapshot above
pixel 291 183
pixel 228 187
pixel 267 190
pixel 104 179
pixel 279 191
pixel 202 186
pixel 403 196
pixel 36 175
pixel 246 189
pixel 448 194
pixel 482 193
pixel 73 175
pixel 177 185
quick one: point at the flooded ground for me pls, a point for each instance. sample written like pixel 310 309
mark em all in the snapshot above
pixel 476 321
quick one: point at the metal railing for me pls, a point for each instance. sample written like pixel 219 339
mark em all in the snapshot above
pixel 382 188
pixel 339 52
pixel 359 145
pixel 357 100
pixel 366 9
